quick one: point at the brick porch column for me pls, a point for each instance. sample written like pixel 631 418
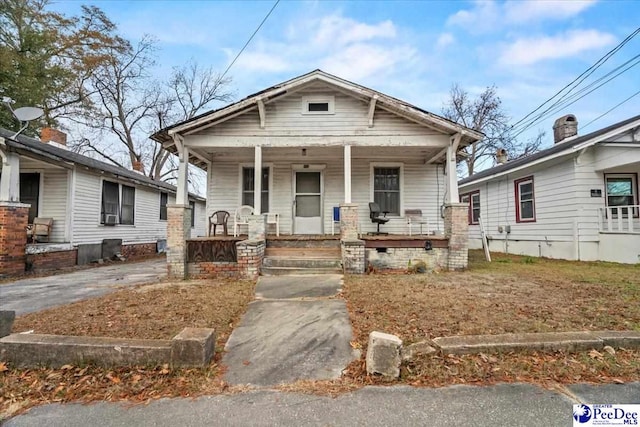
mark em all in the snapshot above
pixel 456 229
pixel 348 221
pixel 178 231
pixel 13 237
pixel 352 248
pixel 257 227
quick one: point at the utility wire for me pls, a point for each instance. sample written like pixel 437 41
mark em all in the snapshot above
pixel 577 96
pixel 610 110
pixel 584 74
pixel 250 38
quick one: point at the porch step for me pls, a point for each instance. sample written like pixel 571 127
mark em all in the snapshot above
pixel 284 271
pixel 307 242
pixel 332 253
pixel 307 262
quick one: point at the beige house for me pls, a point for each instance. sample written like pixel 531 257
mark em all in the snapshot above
pixel 323 145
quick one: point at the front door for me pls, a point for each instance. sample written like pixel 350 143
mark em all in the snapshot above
pixel 30 192
pixel 307 204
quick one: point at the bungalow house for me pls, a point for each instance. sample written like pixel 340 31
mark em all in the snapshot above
pixel 87 209
pixel 326 148
pixel 577 200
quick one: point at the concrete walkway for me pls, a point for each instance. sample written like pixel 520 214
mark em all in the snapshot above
pixel 522 405
pixel 294 331
pixel 35 294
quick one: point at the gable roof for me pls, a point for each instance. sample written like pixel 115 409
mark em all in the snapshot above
pixel 52 154
pixel 250 102
pixel 565 147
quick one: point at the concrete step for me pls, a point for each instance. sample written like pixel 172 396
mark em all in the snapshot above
pixel 303 252
pixel 284 271
pixel 271 261
pixel 310 242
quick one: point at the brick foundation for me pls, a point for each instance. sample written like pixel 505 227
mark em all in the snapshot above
pixel 456 229
pixel 139 250
pixel 178 231
pixel 401 259
pixel 352 256
pixel 250 255
pixel 13 237
pixel 51 260
pixel 208 269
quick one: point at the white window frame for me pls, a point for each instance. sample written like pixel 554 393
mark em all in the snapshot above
pixel 400 165
pixel 252 165
pixel 518 183
pixel 318 99
pixel 469 197
pixel 634 190
pixel 135 202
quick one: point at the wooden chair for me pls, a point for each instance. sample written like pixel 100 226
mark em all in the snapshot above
pixel 414 217
pixel 241 217
pixel 40 230
pixel 274 219
pixel 374 214
pixel 219 218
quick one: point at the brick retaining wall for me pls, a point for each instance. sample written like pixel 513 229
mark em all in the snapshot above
pixel 139 250
pixel 51 260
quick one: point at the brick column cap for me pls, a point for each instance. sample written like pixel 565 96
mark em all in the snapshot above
pixel 456 205
pixel 173 205
pixel 7 204
pixel 348 205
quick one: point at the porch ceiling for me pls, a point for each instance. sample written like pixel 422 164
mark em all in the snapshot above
pixel 314 154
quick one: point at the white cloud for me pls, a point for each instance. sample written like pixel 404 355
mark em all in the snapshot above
pixel 362 60
pixel 527 51
pixel 526 11
pixel 486 16
pixel 444 40
pixel 337 30
pixel 262 61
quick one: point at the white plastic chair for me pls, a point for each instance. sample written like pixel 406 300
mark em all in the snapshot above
pixel 414 217
pixel 241 217
pixel 274 219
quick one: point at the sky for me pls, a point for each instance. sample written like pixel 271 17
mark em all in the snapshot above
pixel 412 50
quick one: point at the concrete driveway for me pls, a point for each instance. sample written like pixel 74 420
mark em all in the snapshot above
pixel 35 294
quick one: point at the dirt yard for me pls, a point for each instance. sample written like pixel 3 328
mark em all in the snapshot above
pixel 512 294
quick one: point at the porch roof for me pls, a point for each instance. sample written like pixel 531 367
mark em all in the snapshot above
pixel 391 104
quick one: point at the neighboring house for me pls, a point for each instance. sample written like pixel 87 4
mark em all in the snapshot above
pixel 88 200
pixel 322 142
pixel 577 200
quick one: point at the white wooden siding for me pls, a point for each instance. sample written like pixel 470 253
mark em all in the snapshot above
pixel 284 118
pixel 87 228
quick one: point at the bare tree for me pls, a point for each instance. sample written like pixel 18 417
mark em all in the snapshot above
pixel 485 114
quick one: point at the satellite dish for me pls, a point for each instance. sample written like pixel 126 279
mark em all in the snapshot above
pixel 26 114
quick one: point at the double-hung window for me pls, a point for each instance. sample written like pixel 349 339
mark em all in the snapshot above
pixel 622 191
pixel 387 188
pixel 525 200
pixel 473 199
pixel 117 200
pixel 164 199
pixel 248 177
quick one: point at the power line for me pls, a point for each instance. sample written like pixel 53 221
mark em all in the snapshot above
pixel 582 76
pixel 250 38
pixel 610 110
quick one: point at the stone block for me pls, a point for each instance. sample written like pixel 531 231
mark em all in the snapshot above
pixel 31 350
pixel 89 253
pixel 193 347
pixel 546 341
pixel 619 339
pixel 6 322
pixel 416 349
pixel 383 354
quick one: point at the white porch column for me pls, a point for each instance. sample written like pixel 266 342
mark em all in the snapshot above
pixel 257 181
pixel 347 174
pixel 10 181
pixel 450 168
pixel 182 191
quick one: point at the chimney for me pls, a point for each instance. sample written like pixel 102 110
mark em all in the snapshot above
pixel 565 127
pixel 138 166
pixel 53 135
pixel 502 156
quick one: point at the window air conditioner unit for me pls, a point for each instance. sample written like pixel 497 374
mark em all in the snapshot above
pixel 110 219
